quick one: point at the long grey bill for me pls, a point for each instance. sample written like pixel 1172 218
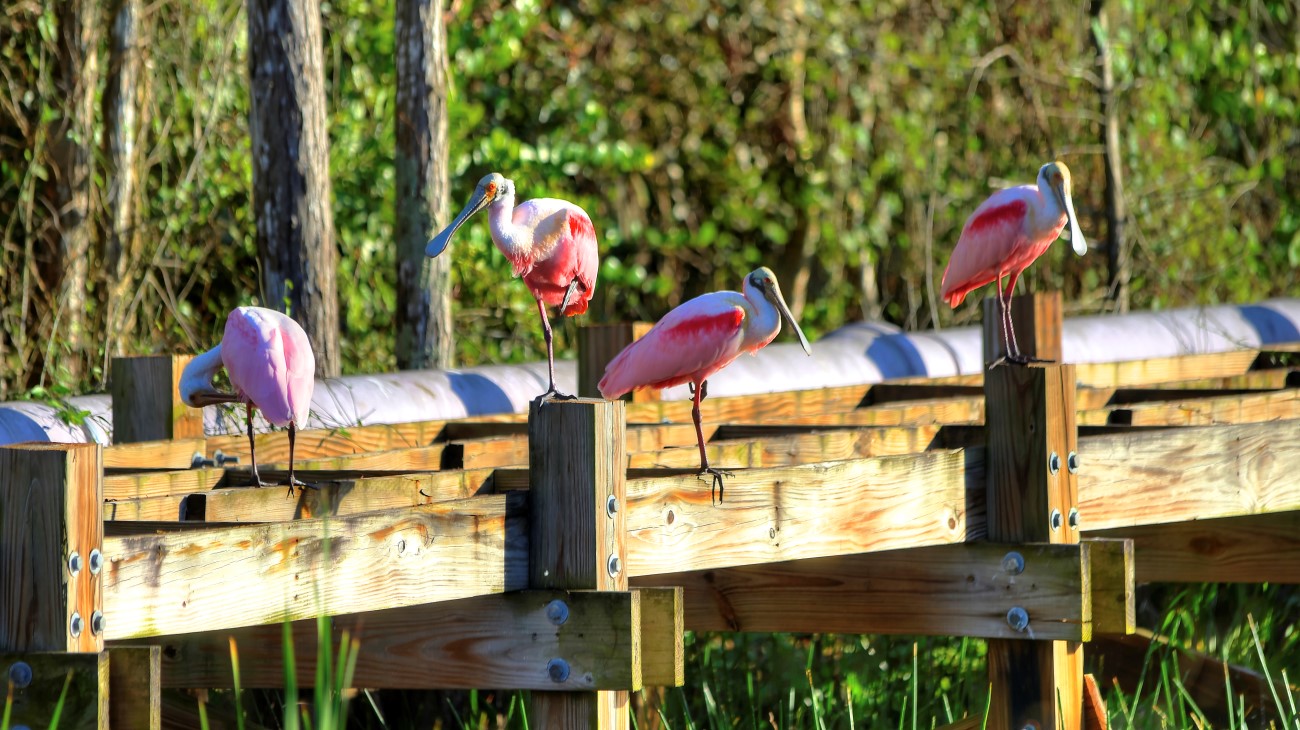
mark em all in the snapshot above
pixel 781 307
pixel 1076 235
pixel 439 242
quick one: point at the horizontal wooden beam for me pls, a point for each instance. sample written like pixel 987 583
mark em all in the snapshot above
pixel 159 483
pixel 1262 548
pixel 769 515
pixel 1250 407
pixel 264 574
pixel 505 641
pixel 947 590
pixel 170 454
pixel 84 674
pixel 168 507
pixel 1132 373
pixel 1180 475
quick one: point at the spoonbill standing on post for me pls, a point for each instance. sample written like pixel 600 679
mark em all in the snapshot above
pixel 271 365
pixel 699 338
pixel 1004 236
pixel 550 243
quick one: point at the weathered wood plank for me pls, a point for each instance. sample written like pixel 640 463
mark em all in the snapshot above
pixel 1113 579
pixel 160 483
pixel 501 641
pixel 1180 475
pixel 1262 548
pixel 135 684
pixel 663 622
pixel 419 458
pixel 147 403
pixel 796 512
pixel 166 508
pixel 51 534
pixel 263 574
pixel 1155 371
pixel 85 705
pixel 171 454
pixel 578 536
pixel 946 590
pixel 1228 409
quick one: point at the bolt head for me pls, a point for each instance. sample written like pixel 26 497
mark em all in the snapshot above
pixel 557 670
pixel 20 673
pixel 613 565
pixel 96 561
pixel 557 612
pixel 1056 519
pixel 611 506
pixel 1054 463
pixel 75 625
pixel 1013 563
pixel 1018 618
pixel 74 563
pixel 1072 462
pixel 1074 518
pixel 97 623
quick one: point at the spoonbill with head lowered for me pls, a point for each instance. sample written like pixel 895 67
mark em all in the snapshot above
pixel 1004 236
pixel 550 243
pixel 271 365
pixel 699 338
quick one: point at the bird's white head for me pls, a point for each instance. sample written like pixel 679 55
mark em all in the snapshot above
pixel 493 187
pixel 1055 177
pixel 196 389
pixel 764 281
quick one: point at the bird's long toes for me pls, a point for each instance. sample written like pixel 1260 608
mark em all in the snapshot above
pixel 717 486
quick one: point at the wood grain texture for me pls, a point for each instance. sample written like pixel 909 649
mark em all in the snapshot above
pixel 1094 707
pixel 135 683
pixel 51 497
pixel 948 590
pixel 262 574
pixel 789 513
pixel 663 621
pixel 1153 477
pixel 578 534
pixel 1254 407
pixel 147 403
pixel 87 701
pixel 1263 548
pixel 419 458
pixel 598 344
pixel 170 454
pixel 152 509
pixel 160 483
pixel 1030 415
pixel 502 641
pixel 1156 371
pixel 1112 580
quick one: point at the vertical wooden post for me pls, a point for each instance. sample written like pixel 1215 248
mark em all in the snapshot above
pixel 51 552
pixel 577 535
pixel 135 682
pixel 600 343
pixel 1031 433
pixel 147 403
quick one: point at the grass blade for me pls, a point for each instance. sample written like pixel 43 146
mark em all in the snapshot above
pixel 63 697
pixel 1263 663
pixel 234 670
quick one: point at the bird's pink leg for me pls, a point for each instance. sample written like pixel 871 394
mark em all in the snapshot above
pixel 550 357
pixel 697 394
pixel 252 445
pixel 1016 356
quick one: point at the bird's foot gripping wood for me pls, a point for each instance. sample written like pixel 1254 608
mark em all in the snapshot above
pixel 295 482
pixel 717 487
pixel 553 394
pixel 1018 359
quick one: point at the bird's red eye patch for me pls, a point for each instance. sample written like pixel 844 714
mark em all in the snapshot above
pixel 491 188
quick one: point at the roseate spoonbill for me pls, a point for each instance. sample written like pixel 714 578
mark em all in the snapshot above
pixel 550 243
pixel 1004 236
pixel 699 338
pixel 271 365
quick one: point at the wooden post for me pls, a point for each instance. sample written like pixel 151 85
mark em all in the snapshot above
pixel 1032 492
pixel 51 559
pixel 600 343
pixel 147 403
pixel 135 682
pixel 576 532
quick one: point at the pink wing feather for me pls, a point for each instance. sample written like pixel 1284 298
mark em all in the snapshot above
pixel 573 254
pixel 270 363
pixel 988 244
pixel 689 344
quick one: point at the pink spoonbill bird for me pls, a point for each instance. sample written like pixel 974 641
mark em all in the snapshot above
pixel 1004 236
pixel 550 243
pixel 272 367
pixel 699 338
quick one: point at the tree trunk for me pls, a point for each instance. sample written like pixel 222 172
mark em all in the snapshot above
pixel 424 334
pixel 1117 253
pixel 70 142
pixel 291 185
pixel 121 125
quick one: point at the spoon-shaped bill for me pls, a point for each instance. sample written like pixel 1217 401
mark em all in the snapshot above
pixel 774 296
pixel 1076 235
pixel 439 242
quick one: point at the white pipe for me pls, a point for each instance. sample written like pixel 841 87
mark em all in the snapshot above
pixel 856 354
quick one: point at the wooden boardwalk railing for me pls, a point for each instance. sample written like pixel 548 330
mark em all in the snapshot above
pixel 565 552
